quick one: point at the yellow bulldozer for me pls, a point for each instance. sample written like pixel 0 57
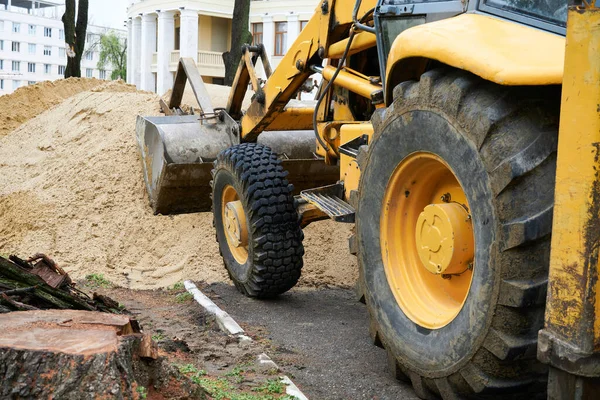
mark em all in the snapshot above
pixel 462 140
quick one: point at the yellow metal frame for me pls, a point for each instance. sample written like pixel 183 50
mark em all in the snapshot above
pixel 322 30
pixel 497 50
pixel 570 340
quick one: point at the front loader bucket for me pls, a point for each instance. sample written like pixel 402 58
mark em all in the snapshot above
pixel 178 150
pixel 178 154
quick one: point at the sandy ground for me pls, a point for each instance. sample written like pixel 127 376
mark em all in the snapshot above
pixel 71 186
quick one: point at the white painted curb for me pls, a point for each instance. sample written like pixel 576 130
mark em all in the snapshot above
pixel 225 321
pixel 228 324
pixel 292 389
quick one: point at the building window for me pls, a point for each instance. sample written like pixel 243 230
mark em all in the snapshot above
pixel 1 65
pixel 31 83
pixel 89 72
pixel 16 47
pixel 16 27
pixel 62 52
pixel 47 32
pixel 257 33
pixel 61 69
pixel 102 74
pixel 303 25
pixel 2 45
pixel 31 68
pixel 16 84
pixel 32 29
pixel 89 38
pixel 280 38
pixel 1 25
pixel 31 48
pixel 61 34
pixel 16 66
pixel 47 68
pixel 89 55
pixel 47 50
pixel 1 84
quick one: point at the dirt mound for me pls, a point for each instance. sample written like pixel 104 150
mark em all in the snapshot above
pixel 71 186
pixel 30 101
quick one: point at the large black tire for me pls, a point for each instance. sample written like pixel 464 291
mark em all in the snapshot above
pixel 275 247
pixel 501 144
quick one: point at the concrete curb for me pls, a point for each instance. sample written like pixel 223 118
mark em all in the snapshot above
pixel 228 324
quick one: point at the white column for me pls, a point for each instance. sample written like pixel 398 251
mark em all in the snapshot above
pixel 136 44
pixel 129 51
pixel 148 49
pixel 269 34
pixel 293 29
pixel 188 33
pixel 166 44
pixel 9 5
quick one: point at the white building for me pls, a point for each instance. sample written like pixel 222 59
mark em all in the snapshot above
pixel 32 44
pixel 162 31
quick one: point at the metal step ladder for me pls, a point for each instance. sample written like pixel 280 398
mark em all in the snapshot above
pixel 329 199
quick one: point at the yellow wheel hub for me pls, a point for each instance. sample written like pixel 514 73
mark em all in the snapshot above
pixel 236 226
pixel 444 238
pixel 427 241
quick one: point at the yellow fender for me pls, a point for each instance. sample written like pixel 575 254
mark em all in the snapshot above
pixel 497 50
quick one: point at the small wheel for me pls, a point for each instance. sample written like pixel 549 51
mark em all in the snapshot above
pixel 256 221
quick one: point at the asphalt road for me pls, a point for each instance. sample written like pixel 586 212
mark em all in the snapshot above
pixel 320 338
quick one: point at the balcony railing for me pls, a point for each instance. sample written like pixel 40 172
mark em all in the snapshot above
pixel 175 56
pixel 211 58
pixel 209 62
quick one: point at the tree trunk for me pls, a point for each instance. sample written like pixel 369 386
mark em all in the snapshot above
pixel 240 35
pixel 73 355
pixel 75 35
pixel 68 354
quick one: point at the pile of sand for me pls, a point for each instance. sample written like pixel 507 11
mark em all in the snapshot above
pixel 30 101
pixel 71 186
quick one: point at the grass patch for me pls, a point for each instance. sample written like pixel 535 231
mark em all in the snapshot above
pixel 142 392
pixel 175 287
pixel 187 369
pixel 97 281
pixel 158 336
pixel 183 297
pixel 225 388
pixel 272 386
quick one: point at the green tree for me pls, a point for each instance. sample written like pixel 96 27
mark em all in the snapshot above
pixel 75 35
pixel 113 51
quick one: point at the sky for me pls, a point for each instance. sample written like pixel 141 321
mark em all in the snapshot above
pixel 111 13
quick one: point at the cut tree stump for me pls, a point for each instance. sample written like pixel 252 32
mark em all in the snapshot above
pixel 72 354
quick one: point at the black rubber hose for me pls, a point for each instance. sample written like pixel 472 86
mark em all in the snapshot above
pixel 326 90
